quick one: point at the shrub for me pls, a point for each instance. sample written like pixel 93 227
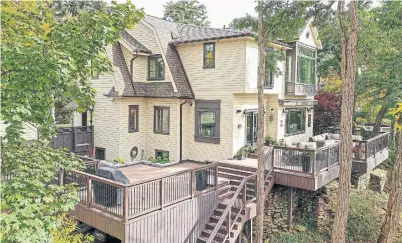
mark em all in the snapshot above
pixel 364 220
pixel 67 232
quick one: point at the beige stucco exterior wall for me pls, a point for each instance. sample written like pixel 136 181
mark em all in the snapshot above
pixel 29 131
pixel 299 137
pixel 219 83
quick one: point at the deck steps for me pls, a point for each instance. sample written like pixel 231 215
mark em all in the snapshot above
pixel 231 178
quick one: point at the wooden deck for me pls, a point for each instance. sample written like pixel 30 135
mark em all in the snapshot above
pixel 313 169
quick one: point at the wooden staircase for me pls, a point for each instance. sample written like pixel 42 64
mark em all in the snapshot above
pixel 237 194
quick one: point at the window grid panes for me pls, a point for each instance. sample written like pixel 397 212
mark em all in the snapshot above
pixel 133 118
pixel 306 65
pixel 162 154
pixel 295 122
pixel 161 122
pixel 156 68
pixel 209 55
pixel 269 80
pixel 207 123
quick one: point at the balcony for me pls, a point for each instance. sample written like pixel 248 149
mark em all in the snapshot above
pixel 299 89
pixel 78 140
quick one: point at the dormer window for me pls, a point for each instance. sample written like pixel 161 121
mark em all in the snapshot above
pixel 306 58
pixel 156 68
pixel 209 55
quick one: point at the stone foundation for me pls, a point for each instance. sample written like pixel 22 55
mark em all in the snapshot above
pixel 378 179
pixel 360 180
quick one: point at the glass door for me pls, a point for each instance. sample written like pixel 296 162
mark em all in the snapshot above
pixel 251 128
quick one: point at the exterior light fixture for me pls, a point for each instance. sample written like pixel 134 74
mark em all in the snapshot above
pixel 271 116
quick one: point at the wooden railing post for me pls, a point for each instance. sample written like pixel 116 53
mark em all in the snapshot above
pixel 61 177
pixel 125 204
pixel 89 191
pixel 367 150
pixel 328 156
pixel 162 192
pixel 191 184
pixel 244 193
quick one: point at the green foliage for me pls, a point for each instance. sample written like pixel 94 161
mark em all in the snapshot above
pixel 270 141
pixel 121 161
pixel 32 202
pixel 186 12
pixel 43 58
pixel 364 219
pixel 62 116
pixel 67 233
pixel 160 160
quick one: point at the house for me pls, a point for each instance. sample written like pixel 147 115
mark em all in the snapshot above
pixel 190 93
pixel 30 132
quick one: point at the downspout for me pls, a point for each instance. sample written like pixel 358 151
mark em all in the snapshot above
pixel 181 129
pixel 132 67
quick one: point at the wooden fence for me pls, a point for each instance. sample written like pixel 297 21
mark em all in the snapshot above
pixel 133 200
pixel 78 140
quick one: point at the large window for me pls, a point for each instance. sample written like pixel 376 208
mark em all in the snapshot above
pixel 306 59
pixel 295 121
pixel 161 119
pixel 209 55
pixel 156 68
pixel 207 121
pixel 133 118
pixel 269 80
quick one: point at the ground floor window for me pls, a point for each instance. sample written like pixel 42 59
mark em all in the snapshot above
pixel 251 128
pixel 100 153
pixel 295 121
pixel 207 121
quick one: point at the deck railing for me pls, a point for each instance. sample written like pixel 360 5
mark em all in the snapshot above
pixel 366 149
pixel 307 161
pixel 127 201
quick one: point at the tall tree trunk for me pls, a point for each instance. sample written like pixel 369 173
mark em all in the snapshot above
pixel 260 134
pixel 394 207
pixel 348 67
pixel 378 119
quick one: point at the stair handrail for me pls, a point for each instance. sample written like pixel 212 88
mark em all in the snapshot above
pixel 228 209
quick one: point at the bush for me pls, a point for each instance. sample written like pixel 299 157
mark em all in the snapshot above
pixel 364 220
pixel 67 232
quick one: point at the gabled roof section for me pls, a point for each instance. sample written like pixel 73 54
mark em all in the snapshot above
pixel 309 34
pixel 134 44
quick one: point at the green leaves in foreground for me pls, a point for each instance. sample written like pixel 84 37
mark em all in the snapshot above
pixel 32 202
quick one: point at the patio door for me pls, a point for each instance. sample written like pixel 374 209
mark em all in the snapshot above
pixel 251 128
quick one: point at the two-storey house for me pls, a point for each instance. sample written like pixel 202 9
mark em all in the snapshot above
pixel 190 93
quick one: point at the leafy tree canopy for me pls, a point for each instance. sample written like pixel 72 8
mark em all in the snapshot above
pixel 186 12
pixel 46 56
pixel 43 58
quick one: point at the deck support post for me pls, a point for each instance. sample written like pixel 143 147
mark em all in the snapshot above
pixel 125 204
pixel 89 191
pixel 250 225
pixel 61 177
pixel 290 213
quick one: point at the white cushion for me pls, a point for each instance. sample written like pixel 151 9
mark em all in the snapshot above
pixel 357 137
pixel 329 142
pixel 307 145
pixel 336 136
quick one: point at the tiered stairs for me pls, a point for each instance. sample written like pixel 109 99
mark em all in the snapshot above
pixel 234 180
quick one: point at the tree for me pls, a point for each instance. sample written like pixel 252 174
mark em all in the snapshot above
pixel 394 206
pixel 276 19
pixel 349 38
pixel 45 57
pixel 260 134
pixel 327 112
pixel 186 12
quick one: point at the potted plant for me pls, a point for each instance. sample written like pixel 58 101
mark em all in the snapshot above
pixel 242 153
pixel 358 152
pixel 270 141
pixel 306 162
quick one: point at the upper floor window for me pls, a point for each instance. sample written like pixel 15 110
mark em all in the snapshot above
pixel 133 118
pixel 209 55
pixel 306 59
pixel 156 68
pixel 207 121
pixel 295 121
pixel 161 119
pixel 269 80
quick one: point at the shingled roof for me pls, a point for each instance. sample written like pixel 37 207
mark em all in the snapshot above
pixel 134 43
pixel 192 33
